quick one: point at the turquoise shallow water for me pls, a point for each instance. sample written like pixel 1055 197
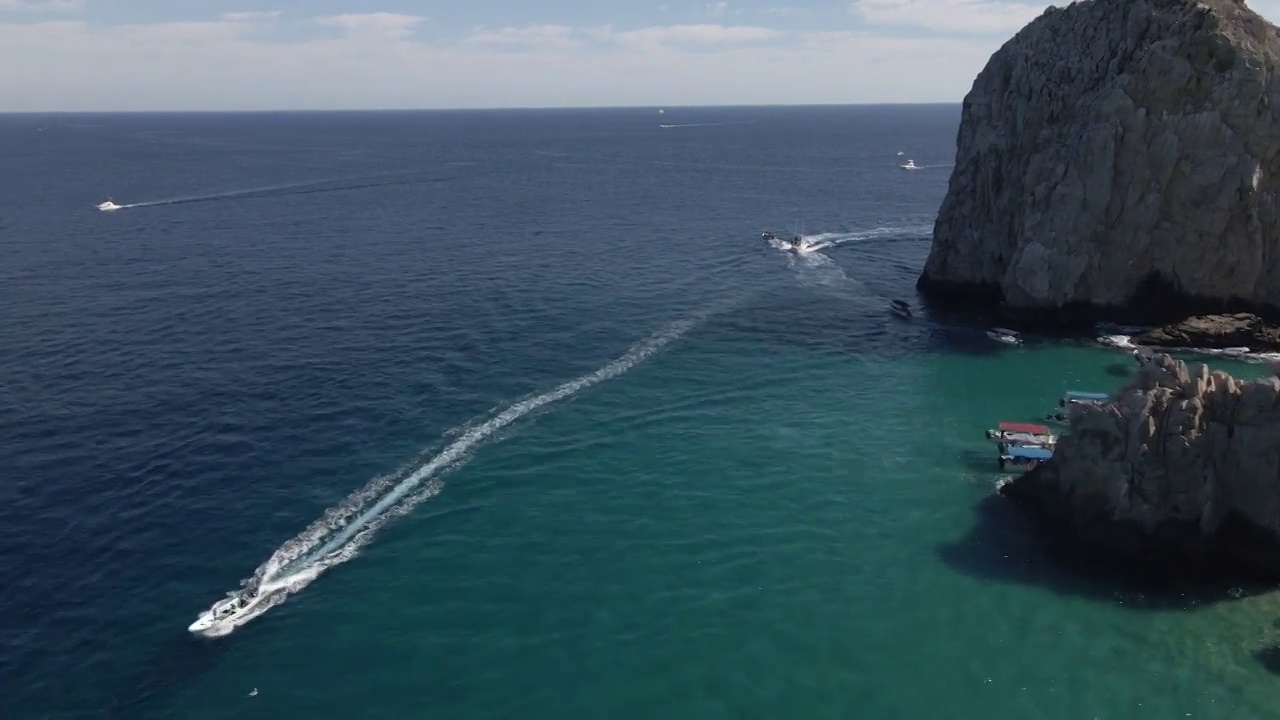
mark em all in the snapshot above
pixel 714 537
pixel 786 510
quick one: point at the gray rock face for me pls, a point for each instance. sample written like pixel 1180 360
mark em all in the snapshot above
pixel 1215 331
pixel 1114 145
pixel 1180 473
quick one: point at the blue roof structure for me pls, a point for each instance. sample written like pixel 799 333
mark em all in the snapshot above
pixel 1078 395
pixel 1030 453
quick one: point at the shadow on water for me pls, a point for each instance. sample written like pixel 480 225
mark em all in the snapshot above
pixel 1006 544
pixel 1120 370
pixel 1269 658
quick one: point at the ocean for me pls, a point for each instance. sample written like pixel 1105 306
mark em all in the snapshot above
pixel 620 457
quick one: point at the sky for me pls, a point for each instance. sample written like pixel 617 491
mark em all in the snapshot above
pixel 105 55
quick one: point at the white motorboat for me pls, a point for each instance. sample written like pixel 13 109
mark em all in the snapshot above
pixel 223 615
pixel 1005 335
pixel 796 244
pixel 107 205
pixel 910 165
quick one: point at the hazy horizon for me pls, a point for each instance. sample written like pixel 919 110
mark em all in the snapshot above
pixel 317 55
pixel 408 110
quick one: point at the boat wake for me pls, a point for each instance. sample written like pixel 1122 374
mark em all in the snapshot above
pixel 821 268
pixel 341 531
pixel 707 124
pixel 1243 354
pixel 287 189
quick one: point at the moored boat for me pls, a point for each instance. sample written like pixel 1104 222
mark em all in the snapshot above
pixel 1027 434
pixel 902 309
pixel 1072 399
pixel 1005 335
pixel 1024 456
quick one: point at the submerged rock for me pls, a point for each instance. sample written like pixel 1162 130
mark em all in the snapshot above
pixel 1120 154
pixel 1215 331
pixel 1178 475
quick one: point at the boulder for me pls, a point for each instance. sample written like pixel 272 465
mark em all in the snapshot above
pixel 1120 155
pixel 1215 331
pixel 1178 474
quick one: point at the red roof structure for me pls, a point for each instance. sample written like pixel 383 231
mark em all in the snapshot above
pixel 1024 428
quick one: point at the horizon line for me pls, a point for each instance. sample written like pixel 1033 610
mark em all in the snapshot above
pixel 265 111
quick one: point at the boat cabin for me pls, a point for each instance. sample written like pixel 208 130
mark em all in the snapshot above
pixel 1010 433
pixel 1082 398
pixel 1024 456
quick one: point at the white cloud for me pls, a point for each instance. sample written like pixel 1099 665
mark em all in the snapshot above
pixel 696 35
pixel 602 34
pixel 66 6
pixel 252 16
pixel 224 65
pixel 960 16
pixel 382 24
pixel 536 36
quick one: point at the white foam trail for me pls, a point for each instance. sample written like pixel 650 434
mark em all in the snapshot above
pixel 828 271
pixel 337 535
pixel 263 189
pixel 1124 342
pixel 829 240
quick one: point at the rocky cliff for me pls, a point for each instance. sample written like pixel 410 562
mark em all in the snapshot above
pixel 1117 153
pixel 1179 474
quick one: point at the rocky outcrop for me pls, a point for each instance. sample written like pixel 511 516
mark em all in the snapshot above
pixel 1179 474
pixel 1120 154
pixel 1215 331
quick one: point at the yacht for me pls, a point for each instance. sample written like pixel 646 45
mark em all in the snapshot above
pixel 107 205
pixel 910 165
pixel 222 616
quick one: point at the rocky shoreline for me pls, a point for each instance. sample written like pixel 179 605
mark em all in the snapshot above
pixel 1176 476
pixel 1238 330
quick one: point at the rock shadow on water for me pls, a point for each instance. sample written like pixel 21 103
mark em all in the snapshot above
pixel 1120 370
pixel 1007 544
pixel 1269 658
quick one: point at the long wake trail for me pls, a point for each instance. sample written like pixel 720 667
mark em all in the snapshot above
pixel 294 188
pixel 341 531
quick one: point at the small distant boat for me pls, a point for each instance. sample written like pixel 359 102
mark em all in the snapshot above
pixel 1024 456
pixel 900 152
pixel 1005 335
pixel 901 308
pixel 909 165
pixel 107 205
pixel 1027 434
pixel 795 244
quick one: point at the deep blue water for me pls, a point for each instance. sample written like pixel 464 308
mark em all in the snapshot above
pixel 764 516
